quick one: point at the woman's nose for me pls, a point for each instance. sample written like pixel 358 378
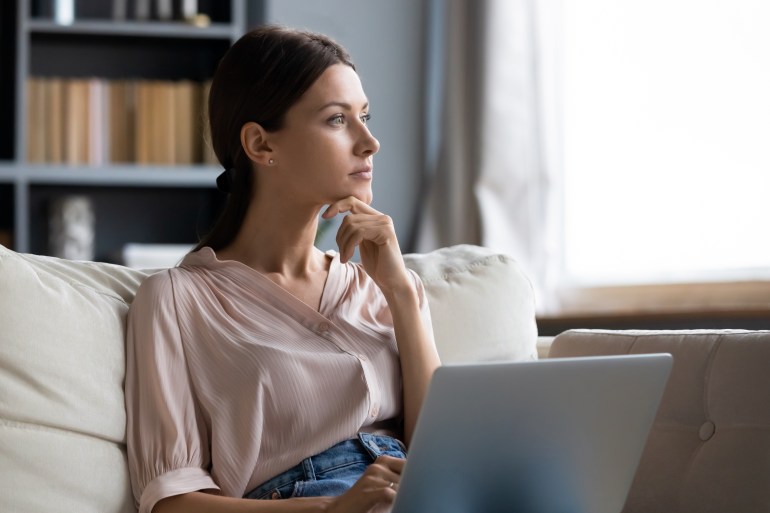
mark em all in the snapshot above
pixel 368 144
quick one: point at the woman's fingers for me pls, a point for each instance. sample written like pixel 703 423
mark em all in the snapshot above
pixel 391 463
pixel 362 223
pixel 373 492
pixel 380 474
pixel 373 232
pixel 357 228
pixel 350 204
pixel 388 470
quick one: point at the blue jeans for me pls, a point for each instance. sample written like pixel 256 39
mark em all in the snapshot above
pixel 332 472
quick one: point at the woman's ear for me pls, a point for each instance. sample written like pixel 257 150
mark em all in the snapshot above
pixel 256 144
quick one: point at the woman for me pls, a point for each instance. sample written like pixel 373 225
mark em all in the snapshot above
pixel 261 367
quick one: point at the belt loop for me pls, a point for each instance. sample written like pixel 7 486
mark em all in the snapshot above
pixel 308 469
pixel 369 443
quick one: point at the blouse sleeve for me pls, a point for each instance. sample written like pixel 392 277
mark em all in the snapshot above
pixel 168 451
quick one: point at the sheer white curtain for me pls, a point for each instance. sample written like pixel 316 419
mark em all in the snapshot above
pixel 605 145
pixel 520 183
pixel 497 173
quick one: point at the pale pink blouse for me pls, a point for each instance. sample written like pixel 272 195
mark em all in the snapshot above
pixel 231 379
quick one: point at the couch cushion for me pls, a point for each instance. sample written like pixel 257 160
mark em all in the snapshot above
pixel 62 329
pixel 709 448
pixel 62 416
pixel 481 303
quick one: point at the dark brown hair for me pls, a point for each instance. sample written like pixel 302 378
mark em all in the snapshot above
pixel 259 78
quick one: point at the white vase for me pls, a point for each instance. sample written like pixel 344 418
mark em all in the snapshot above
pixel 71 232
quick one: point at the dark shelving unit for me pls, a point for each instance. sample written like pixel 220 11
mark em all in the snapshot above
pixel 132 203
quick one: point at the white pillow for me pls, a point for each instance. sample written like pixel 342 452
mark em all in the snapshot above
pixel 482 305
pixel 62 412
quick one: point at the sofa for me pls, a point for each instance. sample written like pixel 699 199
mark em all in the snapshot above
pixel 62 415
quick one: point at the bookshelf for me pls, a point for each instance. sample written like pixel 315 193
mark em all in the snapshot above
pixel 148 199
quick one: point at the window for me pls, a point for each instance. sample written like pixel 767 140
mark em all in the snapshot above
pixel 667 141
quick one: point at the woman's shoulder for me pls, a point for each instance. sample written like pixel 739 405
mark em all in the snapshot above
pixel 156 286
pixel 164 280
pixel 163 284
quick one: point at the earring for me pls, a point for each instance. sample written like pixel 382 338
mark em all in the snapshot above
pixel 271 162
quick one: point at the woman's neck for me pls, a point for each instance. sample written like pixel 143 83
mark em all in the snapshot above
pixel 277 239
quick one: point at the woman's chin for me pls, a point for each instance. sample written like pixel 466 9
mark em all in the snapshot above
pixel 367 198
pixel 363 194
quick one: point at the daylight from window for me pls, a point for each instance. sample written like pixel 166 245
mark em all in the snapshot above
pixel 667 140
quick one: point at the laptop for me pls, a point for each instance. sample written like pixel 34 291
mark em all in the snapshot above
pixel 549 436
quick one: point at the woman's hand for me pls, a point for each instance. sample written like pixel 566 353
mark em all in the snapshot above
pixel 375 236
pixel 373 233
pixel 375 490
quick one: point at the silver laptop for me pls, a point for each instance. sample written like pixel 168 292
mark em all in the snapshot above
pixel 551 436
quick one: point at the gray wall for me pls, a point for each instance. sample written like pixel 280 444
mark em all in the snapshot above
pixel 385 39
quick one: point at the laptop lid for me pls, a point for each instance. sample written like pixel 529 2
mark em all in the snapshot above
pixel 555 436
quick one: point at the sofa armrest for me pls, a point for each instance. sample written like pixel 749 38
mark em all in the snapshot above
pixel 709 448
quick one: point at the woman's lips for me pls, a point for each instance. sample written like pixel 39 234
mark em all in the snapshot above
pixel 362 174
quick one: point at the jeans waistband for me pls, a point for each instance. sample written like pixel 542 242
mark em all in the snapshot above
pixel 366 447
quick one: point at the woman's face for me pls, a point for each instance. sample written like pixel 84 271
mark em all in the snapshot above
pixel 324 151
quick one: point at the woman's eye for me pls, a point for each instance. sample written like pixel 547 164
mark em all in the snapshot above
pixel 365 118
pixel 337 120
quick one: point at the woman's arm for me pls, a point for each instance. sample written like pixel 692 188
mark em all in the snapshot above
pixel 199 502
pixel 374 492
pixel 373 233
pixel 417 353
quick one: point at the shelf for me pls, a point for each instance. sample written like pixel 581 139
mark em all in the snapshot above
pixel 133 29
pixel 151 203
pixel 114 175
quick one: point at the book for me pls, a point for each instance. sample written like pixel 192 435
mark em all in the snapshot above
pixel 187 125
pixel 36 131
pixel 76 117
pixel 142 123
pixel 208 157
pixel 119 10
pixel 142 10
pixel 163 147
pixel 169 124
pixel 122 121
pixel 189 9
pixel 196 120
pixel 55 125
pixel 164 10
pixel 98 124
pixel 96 121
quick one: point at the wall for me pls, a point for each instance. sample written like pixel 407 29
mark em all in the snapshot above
pixel 385 39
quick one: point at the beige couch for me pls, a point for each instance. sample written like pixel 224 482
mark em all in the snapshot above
pixel 62 417
pixel 709 448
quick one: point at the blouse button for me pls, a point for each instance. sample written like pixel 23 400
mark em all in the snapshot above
pixel 275 496
pixel 323 327
pixel 374 411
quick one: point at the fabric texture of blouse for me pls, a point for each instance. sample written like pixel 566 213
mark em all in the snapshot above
pixel 230 379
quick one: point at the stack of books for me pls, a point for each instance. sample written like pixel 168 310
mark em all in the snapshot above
pixel 98 122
